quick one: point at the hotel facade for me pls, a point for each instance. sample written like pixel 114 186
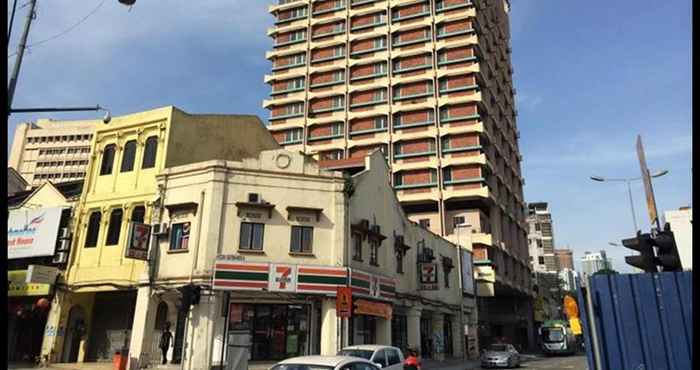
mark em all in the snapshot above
pixel 429 83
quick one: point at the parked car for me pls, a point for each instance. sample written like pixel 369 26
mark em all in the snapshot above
pixel 500 355
pixel 387 357
pixel 325 363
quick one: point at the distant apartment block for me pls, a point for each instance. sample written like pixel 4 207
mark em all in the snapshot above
pixel 58 151
pixel 594 262
pixel 681 221
pixel 564 259
pixel 541 238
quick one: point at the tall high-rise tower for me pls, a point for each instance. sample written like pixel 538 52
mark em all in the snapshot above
pixel 429 83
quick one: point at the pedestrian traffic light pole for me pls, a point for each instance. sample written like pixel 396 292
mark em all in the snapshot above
pixel 20 55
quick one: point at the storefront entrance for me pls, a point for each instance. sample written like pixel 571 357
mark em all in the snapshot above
pixel 363 329
pixel 26 324
pixel 426 335
pixel 277 331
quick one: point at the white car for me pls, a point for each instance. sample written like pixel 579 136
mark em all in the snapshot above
pixel 386 357
pixel 500 355
pixel 325 363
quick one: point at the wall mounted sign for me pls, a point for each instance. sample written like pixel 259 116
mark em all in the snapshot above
pixel 428 276
pixel 33 233
pixel 138 242
pixel 365 307
pixel 283 278
pixel 18 286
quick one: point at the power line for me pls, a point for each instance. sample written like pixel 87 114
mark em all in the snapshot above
pixel 69 28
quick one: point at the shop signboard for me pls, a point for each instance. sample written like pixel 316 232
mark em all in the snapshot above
pixel 33 232
pixel 37 274
pixel 139 237
pixel 283 278
pixel 365 307
pixel 428 276
pixel 467 272
pixel 230 273
pixel 18 286
pixel 343 302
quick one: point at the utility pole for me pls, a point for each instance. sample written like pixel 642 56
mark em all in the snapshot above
pixel 20 54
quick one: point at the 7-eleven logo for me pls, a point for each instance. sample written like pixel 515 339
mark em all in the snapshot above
pixel 283 278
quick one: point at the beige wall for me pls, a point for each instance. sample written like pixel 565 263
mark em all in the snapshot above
pixel 215 186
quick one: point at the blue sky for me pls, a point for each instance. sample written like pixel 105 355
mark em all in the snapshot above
pixel 589 76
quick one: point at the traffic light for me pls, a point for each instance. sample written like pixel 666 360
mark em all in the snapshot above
pixel 667 252
pixel 645 245
pixel 191 295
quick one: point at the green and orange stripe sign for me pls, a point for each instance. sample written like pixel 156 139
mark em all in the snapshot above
pixel 319 279
pixel 241 276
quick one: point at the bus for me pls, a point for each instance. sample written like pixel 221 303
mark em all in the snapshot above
pixel 557 338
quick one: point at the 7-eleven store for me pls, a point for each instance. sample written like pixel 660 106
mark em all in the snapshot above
pixel 283 310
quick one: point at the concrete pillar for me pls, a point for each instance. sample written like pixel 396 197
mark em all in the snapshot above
pixel 329 328
pixel 413 327
pixel 142 329
pixel 437 335
pixel 201 335
pixel 457 334
pixel 54 332
pixel 383 331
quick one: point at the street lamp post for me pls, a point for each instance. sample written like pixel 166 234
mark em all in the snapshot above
pixel 628 181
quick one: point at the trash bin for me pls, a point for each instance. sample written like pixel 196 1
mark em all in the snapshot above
pixel 119 360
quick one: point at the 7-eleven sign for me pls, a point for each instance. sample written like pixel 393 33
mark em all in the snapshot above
pixel 283 278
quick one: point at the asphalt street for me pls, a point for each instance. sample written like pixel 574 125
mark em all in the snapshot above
pixel 577 362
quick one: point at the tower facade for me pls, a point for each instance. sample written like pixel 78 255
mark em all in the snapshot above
pixel 429 83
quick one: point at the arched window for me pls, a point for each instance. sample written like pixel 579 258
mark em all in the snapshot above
pixel 108 159
pixel 129 156
pixel 137 215
pixel 115 226
pixel 93 229
pixel 149 153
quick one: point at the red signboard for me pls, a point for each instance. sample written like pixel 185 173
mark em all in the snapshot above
pixel 364 307
pixel 343 302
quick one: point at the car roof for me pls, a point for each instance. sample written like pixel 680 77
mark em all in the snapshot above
pixel 322 360
pixel 369 347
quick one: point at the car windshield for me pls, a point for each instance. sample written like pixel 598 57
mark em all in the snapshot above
pixel 301 367
pixel 498 348
pixel 363 353
pixel 552 335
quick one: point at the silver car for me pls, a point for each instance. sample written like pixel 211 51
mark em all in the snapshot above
pixel 325 363
pixel 500 355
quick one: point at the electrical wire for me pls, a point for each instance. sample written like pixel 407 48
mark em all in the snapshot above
pixel 69 28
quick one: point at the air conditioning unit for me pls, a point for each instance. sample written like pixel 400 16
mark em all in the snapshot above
pixel 60 257
pixel 160 229
pixel 64 233
pixel 254 198
pixel 63 245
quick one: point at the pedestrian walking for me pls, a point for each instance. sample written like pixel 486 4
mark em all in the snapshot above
pixel 411 362
pixel 165 337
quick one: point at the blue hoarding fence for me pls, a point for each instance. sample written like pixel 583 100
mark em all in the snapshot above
pixel 638 321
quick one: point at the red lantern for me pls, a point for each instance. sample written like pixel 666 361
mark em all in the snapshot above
pixel 43 303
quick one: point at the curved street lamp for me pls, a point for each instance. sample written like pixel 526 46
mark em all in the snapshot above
pixel 629 189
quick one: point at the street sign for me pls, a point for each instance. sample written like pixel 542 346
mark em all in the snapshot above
pixel 343 302
pixel 648 189
pixel 139 238
pixel 37 274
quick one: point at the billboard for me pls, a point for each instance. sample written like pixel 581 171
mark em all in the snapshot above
pixel 467 272
pixel 33 232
